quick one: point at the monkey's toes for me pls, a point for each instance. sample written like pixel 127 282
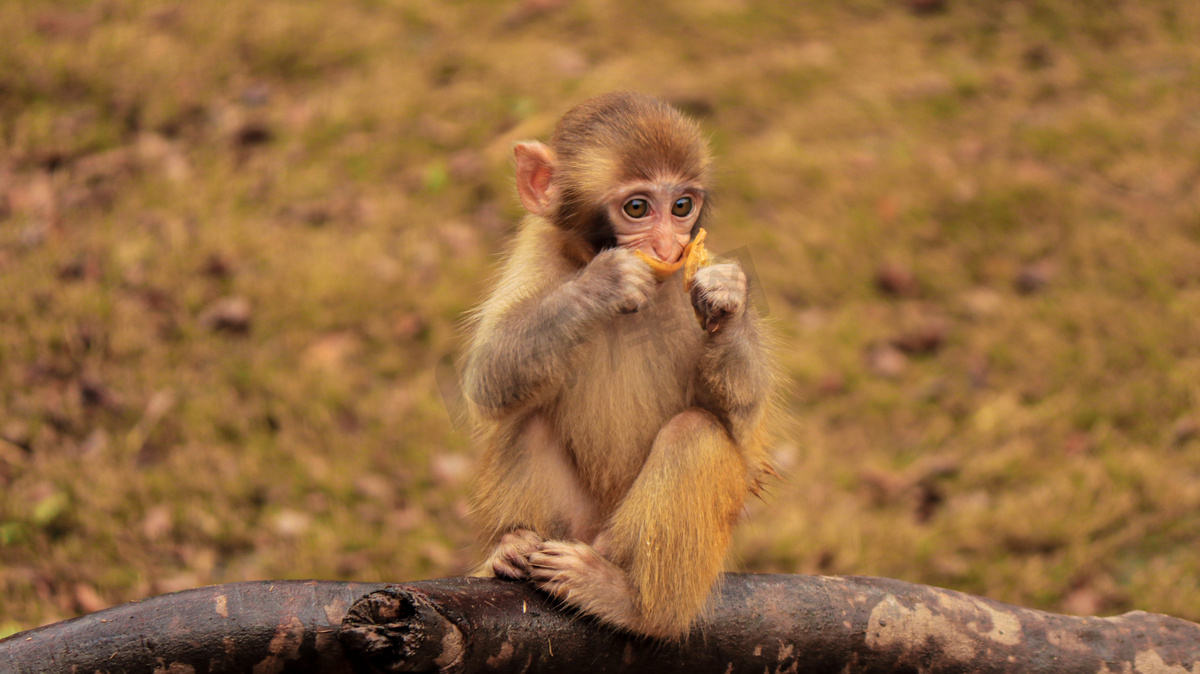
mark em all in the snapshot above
pixel 554 580
pixel 577 574
pixel 510 559
pixel 558 563
pixel 516 569
pixel 522 539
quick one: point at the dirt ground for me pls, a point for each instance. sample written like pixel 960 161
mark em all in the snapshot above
pixel 237 240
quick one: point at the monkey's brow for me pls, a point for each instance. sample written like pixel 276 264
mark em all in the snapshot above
pixel 671 186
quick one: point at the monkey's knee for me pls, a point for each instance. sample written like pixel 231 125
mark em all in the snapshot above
pixel 699 438
pixel 695 459
pixel 691 426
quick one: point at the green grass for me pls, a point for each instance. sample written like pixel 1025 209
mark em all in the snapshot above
pixel 344 169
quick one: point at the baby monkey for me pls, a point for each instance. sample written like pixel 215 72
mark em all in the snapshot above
pixel 622 437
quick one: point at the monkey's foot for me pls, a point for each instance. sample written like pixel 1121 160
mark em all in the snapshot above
pixel 577 575
pixel 510 558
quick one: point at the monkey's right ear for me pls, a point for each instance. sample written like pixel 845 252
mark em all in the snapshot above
pixel 535 169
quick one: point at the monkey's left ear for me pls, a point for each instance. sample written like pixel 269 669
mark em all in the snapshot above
pixel 535 168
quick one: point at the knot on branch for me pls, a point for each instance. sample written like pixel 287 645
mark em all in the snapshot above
pixel 397 629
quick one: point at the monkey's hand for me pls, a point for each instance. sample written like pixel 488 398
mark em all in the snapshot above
pixel 718 293
pixel 619 280
pixel 510 558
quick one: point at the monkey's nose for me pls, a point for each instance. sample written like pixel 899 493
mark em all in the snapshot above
pixel 667 251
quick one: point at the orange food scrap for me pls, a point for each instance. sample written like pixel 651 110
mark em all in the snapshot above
pixel 696 257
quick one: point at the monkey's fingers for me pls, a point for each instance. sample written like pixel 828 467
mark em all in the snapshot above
pixel 718 292
pixel 711 323
pixel 708 316
pixel 623 279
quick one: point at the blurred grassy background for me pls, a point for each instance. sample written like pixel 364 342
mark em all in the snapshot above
pixel 236 240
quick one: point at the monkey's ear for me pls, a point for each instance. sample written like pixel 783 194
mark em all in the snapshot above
pixel 535 169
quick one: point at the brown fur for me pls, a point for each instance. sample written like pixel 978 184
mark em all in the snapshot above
pixel 621 445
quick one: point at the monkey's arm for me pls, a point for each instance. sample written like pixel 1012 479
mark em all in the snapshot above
pixel 527 350
pixel 733 378
pixel 523 347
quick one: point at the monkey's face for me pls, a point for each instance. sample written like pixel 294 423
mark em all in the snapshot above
pixel 656 217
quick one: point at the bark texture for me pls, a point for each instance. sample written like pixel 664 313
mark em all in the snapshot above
pixel 262 627
pixel 758 623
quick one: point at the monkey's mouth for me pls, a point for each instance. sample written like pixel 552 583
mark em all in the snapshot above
pixel 691 253
pixel 660 268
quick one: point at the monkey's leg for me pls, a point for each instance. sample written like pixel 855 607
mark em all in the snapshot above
pixel 527 490
pixel 651 571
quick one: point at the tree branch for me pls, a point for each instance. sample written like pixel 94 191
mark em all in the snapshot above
pixel 264 627
pixel 758 623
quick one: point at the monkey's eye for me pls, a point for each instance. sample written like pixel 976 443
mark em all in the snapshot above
pixel 636 208
pixel 682 207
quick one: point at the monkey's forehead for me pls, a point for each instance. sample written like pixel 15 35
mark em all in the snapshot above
pixel 604 167
pixel 621 136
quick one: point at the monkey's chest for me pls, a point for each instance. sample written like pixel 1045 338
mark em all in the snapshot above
pixel 632 376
